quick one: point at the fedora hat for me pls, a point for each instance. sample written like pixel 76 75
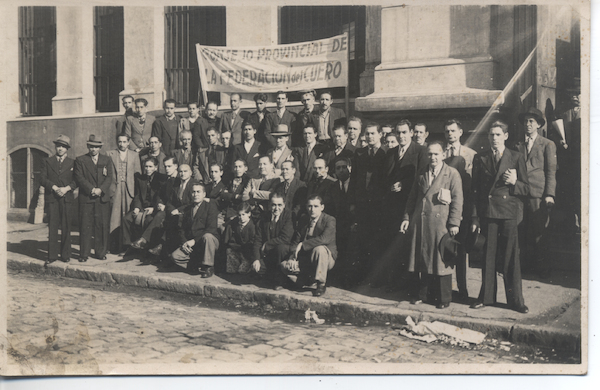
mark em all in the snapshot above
pixel 95 140
pixel 449 249
pixel 282 131
pixel 63 140
pixel 474 241
pixel 535 113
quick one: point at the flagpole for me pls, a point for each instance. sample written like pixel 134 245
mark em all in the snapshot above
pixel 347 89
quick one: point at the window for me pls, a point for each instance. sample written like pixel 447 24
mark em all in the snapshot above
pixel 300 24
pixel 184 28
pixel 25 167
pixel 37 59
pixel 109 62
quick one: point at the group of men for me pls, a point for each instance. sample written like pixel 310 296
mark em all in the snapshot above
pixel 317 183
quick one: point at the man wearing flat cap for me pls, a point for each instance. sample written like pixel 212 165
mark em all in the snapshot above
pixel 59 184
pixel 94 174
pixel 540 160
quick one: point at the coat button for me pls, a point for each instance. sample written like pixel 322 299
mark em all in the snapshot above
pixel 437 215
pixel 504 196
pixel 490 196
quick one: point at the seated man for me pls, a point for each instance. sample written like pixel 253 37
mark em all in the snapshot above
pixel 323 185
pixel 139 221
pixel 154 150
pixel 198 235
pixel 314 248
pixel 258 190
pixel 214 153
pixel 238 240
pixel 232 195
pixel 292 189
pixel 274 232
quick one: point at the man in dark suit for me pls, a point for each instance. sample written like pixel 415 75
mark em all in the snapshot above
pixel 292 189
pixel 540 159
pixel 307 154
pixel 205 157
pixel 94 175
pixel 233 193
pixel 327 118
pixel 281 116
pixel 234 120
pixel 499 180
pixel 313 247
pixel 323 185
pixel 250 150
pixel 272 240
pixel 165 127
pixel 144 219
pixel 198 235
pixel 128 105
pixel 304 118
pixel 154 150
pixel 139 126
pixel 200 127
pixel 56 177
pixel 216 187
pixel 165 195
pixel 259 117
pixel 367 188
pixel 344 220
pixel 341 148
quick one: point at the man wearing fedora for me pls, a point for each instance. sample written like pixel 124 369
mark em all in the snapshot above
pixel 59 184
pixel 499 183
pixel 281 152
pixel 94 175
pixel 540 159
pixel 433 211
pixel 281 116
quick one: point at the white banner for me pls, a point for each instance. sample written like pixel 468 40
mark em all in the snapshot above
pixel 291 67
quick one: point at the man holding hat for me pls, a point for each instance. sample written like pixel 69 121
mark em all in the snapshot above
pixel 433 211
pixel 94 174
pixel 281 153
pixel 540 159
pixel 57 180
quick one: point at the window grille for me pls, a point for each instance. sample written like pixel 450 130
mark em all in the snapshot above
pixel 109 57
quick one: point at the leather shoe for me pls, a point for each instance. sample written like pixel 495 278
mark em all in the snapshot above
pixel 83 259
pixel 49 261
pixel 416 301
pixel 207 272
pixel 443 305
pixel 101 257
pixel 522 309
pixel 139 244
pixel 194 272
pixel 320 290
pixel 156 250
pixel 477 305
pixel 68 259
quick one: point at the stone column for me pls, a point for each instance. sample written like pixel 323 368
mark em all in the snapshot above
pixel 432 57
pixel 372 49
pixel 74 61
pixel 144 71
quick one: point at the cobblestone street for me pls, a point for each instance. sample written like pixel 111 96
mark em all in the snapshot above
pixel 53 323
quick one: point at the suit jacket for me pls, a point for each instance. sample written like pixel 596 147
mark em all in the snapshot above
pixel 323 234
pixel 167 193
pixel 262 190
pixel 185 124
pixel 168 135
pixel 120 122
pixel 178 154
pixel 133 167
pixel 306 160
pixel 147 192
pixel 359 191
pixel 259 125
pixel 331 158
pixel 491 197
pixel 140 134
pixel 200 129
pixel 341 200
pixel 286 155
pixel 238 236
pixel 251 158
pixel 302 119
pixel 174 201
pixel 214 193
pixel 541 166
pixel 325 189
pixel 205 221
pixel 204 159
pixel 430 218
pixel 272 121
pixel 236 127
pixel 272 234
pixel 295 196
pixel 51 175
pixel 230 197
pixel 161 158
pixel 468 154
pixel 89 176
pixel 336 117
pixel 403 171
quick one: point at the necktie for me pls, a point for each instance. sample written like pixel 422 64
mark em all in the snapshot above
pixel 529 144
pixel 286 187
pixel 452 151
pixel 232 118
pixel 431 176
pixel 95 160
pixel 236 183
pixel 311 228
pixel 371 152
pixel 400 153
pixel 60 161
pixel 181 190
pixel 496 158
pixel 196 207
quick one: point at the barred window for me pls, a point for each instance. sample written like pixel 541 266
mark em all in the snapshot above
pixel 37 59
pixel 184 28
pixel 109 57
pixel 300 24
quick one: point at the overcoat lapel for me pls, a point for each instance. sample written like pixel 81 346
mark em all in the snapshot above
pixel 89 164
pixel 54 164
pixel 439 179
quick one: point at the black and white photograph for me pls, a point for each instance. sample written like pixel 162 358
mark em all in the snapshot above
pixel 280 188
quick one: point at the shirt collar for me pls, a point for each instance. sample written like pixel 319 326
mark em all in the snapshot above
pixel 501 150
pixel 532 136
pixel 437 170
pixel 456 145
pixel 403 149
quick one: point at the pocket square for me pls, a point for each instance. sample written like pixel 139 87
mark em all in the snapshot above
pixel 444 196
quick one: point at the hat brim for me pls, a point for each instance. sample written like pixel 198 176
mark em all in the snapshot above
pixel 280 134
pixel 449 249
pixel 537 118
pixel 62 143
pixel 92 143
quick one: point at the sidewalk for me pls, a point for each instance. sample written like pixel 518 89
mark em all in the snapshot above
pixel 554 318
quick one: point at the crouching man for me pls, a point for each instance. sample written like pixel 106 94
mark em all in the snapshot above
pixel 198 235
pixel 313 246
